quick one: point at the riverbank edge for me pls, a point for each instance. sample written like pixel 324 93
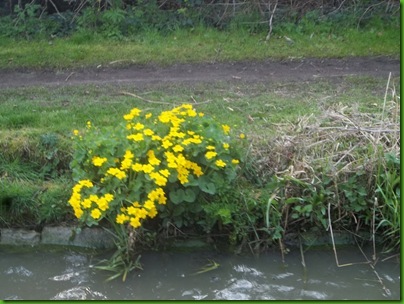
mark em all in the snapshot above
pixel 98 238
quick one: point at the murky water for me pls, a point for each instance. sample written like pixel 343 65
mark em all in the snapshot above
pixel 66 274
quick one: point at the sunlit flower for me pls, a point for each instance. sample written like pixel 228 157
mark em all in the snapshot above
pixel 138 126
pixel 210 154
pixel 220 163
pixel 135 137
pixel 98 161
pixel 147 168
pixel 134 222
pixel 95 213
pixel 127 160
pixel 122 218
pixel 226 129
pixel 117 173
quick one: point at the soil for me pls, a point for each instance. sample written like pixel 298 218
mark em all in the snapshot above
pixel 247 71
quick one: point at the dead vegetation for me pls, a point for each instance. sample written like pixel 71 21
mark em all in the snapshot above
pixel 345 159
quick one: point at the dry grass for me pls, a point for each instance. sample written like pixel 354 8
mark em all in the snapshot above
pixel 335 159
pixel 341 140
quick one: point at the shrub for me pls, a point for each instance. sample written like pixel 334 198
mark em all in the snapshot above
pixel 129 172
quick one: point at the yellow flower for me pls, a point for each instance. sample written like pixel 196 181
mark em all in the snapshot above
pixel 132 210
pixel 235 161
pixel 197 169
pixel 149 204
pixel 165 117
pixel 191 113
pixel 226 129
pixel 152 158
pixel 98 161
pixel 121 218
pixel 86 183
pixel 134 222
pixel 108 197
pixel 127 161
pixel 102 204
pixel 76 132
pixel 220 163
pixel 142 213
pixel 210 154
pixel 157 195
pixel 226 146
pixel 117 173
pixel 210 148
pixel 158 179
pixel 165 172
pixel 128 117
pixel 148 132
pixel 148 115
pixel 166 144
pixel 152 212
pixel 95 213
pixel 135 137
pixel 88 124
pixel 86 203
pixel 147 168
pixel 78 212
pixel 162 200
pixel 137 167
pixel 139 126
pixel 178 148
pixel 132 114
pixel 242 135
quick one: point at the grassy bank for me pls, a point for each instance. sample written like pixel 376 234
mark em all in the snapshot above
pixel 281 188
pixel 199 44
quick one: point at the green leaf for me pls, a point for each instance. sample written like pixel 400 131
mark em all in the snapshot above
pixel 189 195
pixel 177 196
pixel 178 210
pixel 207 186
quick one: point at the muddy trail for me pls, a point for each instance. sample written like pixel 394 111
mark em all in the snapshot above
pixel 247 71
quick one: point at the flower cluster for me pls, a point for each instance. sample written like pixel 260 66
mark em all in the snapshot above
pixel 123 174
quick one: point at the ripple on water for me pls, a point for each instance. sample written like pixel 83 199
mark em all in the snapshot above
pixel 79 293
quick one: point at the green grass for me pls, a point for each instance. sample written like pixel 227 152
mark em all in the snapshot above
pixel 198 45
pixel 36 126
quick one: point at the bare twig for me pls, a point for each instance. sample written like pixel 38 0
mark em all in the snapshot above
pixel 144 99
pixel 270 19
pixel 56 9
pixel 70 75
pixel 374 230
pixel 333 242
pixel 303 261
pixel 374 271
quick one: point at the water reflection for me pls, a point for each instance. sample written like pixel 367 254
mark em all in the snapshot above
pixel 67 275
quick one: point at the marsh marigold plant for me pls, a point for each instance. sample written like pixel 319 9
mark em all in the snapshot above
pixel 126 173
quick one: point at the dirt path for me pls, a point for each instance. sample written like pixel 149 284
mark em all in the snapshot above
pixel 267 71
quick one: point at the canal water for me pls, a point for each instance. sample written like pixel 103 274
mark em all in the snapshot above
pixel 61 273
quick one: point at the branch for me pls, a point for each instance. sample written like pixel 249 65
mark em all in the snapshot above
pixel 144 99
pixel 270 18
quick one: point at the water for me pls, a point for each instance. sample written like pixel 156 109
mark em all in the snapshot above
pixel 66 274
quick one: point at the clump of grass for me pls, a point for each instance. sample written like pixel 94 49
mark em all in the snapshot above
pixel 30 203
pixel 47 153
pixel 343 159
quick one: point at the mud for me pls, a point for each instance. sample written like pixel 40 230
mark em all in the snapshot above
pixel 247 71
